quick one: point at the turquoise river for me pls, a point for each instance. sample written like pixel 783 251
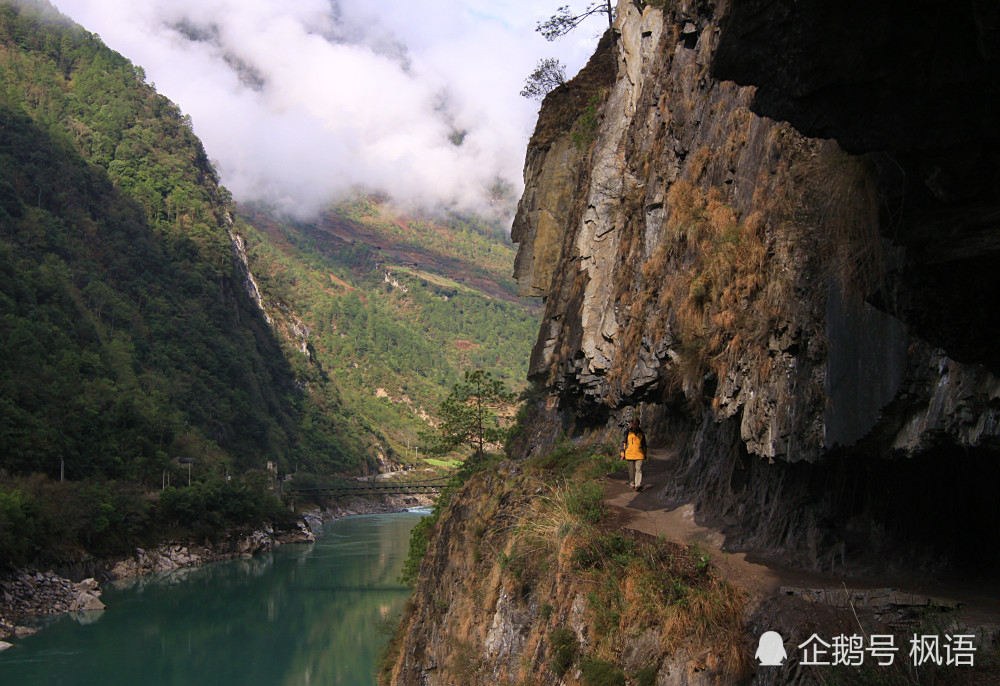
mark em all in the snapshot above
pixel 304 615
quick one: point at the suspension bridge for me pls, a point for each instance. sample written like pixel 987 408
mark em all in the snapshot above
pixel 376 488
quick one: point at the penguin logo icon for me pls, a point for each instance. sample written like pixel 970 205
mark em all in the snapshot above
pixel 771 649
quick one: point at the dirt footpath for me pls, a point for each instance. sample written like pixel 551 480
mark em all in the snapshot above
pixel 645 511
pixel 798 603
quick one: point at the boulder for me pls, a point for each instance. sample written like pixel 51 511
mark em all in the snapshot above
pixel 86 601
pixel 89 586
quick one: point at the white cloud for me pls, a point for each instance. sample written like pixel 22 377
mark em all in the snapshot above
pixel 301 101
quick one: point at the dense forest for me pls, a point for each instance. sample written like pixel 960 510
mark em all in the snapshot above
pixel 130 345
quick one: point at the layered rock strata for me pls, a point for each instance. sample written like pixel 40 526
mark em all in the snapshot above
pixel 761 297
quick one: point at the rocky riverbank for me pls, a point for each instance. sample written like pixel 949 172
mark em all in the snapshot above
pixel 170 556
pixel 28 593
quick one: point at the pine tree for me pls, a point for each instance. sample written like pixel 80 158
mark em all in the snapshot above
pixel 470 415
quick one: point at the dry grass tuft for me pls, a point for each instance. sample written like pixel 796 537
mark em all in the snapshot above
pixel 546 524
pixel 643 584
pixel 841 198
pixel 702 285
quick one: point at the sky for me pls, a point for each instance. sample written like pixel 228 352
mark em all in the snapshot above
pixel 302 102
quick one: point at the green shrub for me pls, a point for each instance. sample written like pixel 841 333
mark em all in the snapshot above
pixel 614 548
pixel 601 673
pixel 545 611
pixel 20 527
pixel 419 537
pixel 605 605
pixel 564 646
pixel 208 508
pixel 515 564
pixel 586 500
pixel 563 459
pixel 38 517
pixel 645 676
pixel 601 463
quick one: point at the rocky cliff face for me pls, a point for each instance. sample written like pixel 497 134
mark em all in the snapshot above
pixel 807 320
pixel 508 594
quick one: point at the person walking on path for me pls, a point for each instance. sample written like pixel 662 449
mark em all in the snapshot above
pixel 634 452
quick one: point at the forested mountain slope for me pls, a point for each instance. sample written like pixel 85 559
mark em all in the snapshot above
pixel 128 337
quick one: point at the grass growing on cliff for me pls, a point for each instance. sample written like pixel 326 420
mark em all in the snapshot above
pixel 537 543
pixel 601 673
pixel 841 198
pixel 569 500
pixel 640 582
pixel 635 583
pixel 711 285
pixel 420 535
pixel 564 649
pixel 566 510
pixel 719 284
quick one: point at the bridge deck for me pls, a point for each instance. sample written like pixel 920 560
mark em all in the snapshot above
pixel 399 488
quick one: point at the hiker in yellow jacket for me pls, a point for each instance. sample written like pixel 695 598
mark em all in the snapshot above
pixel 634 452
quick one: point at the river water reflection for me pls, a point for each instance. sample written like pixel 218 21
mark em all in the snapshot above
pixel 305 615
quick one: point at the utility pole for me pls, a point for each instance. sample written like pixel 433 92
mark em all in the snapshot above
pixel 187 461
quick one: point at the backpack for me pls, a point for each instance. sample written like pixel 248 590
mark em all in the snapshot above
pixel 642 441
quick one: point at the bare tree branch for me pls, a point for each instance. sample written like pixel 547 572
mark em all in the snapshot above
pixel 564 20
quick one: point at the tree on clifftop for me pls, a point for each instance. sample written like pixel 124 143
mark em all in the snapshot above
pixel 565 20
pixel 471 415
pixel 549 73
